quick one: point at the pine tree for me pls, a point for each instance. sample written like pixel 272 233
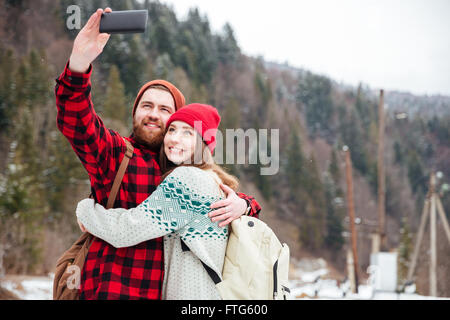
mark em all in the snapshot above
pixel 314 92
pixel 315 190
pixel 23 204
pixel 306 191
pixel 230 120
pixel 39 79
pixel 115 105
pixel 63 173
pixel 415 172
pixel 404 251
pixel 334 168
pixel 365 108
pixel 132 74
pixel 227 47
pixel 335 211
pixel 333 239
pixel 295 161
pixel 163 68
pixel 7 87
pixel 162 30
pixel 263 91
pixel 352 135
pixel 264 182
pixel 199 53
pixel 398 153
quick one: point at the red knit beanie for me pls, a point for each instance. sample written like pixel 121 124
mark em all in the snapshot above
pixel 178 97
pixel 203 118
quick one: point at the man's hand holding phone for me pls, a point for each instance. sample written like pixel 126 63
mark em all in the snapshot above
pixel 91 40
pixel 89 43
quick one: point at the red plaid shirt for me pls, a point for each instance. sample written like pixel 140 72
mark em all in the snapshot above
pixel 113 273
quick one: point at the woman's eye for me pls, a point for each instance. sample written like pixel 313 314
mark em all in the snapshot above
pixel 171 129
pixel 188 132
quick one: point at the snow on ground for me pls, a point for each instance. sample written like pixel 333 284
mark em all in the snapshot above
pixel 310 279
pixel 29 287
pixel 329 290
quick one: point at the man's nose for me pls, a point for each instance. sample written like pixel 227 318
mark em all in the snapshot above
pixel 153 114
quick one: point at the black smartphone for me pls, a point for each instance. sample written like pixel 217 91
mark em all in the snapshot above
pixel 128 21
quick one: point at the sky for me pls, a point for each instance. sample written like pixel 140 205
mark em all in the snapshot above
pixel 399 45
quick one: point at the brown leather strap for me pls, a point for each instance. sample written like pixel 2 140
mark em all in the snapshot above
pixel 119 175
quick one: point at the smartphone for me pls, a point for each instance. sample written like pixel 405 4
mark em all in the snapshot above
pixel 128 21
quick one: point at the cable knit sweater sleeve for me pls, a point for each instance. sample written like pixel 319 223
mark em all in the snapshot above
pixel 179 204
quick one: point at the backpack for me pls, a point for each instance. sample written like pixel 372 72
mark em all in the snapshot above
pixel 68 267
pixel 256 265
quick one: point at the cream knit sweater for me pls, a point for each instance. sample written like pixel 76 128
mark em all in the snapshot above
pixel 178 208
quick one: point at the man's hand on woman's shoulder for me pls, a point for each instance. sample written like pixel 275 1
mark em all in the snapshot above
pixel 229 209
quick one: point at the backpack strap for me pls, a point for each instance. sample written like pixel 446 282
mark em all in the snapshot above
pixel 214 276
pixel 120 174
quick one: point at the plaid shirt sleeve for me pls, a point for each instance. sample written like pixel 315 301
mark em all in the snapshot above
pixel 97 146
pixel 255 208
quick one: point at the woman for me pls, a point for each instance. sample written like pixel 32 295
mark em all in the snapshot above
pixel 178 209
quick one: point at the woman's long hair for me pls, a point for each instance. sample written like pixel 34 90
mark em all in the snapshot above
pixel 202 159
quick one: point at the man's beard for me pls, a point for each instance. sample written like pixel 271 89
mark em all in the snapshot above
pixel 152 140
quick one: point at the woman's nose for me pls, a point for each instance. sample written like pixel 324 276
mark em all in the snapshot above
pixel 174 137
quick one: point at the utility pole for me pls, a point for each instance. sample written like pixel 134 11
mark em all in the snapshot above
pixel 423 222
pixel 381 243
pixel 443 217
pixel 351 213
pixel 432 202
pixel 433 258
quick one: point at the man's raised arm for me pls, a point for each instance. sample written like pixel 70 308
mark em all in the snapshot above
pixel 76 119
pixel 88 44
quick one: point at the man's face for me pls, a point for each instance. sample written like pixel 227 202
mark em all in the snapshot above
pixel 149 122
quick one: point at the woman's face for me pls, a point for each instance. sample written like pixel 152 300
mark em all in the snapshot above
pixel 179 142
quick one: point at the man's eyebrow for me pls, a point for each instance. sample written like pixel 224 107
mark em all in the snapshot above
pixel 164 106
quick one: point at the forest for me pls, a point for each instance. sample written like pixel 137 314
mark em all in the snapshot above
pixel 41 178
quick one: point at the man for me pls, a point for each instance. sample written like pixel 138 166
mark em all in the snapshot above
pixel 134 272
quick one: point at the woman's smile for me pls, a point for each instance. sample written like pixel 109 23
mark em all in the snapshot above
pixel 179 142
pixel 176 150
